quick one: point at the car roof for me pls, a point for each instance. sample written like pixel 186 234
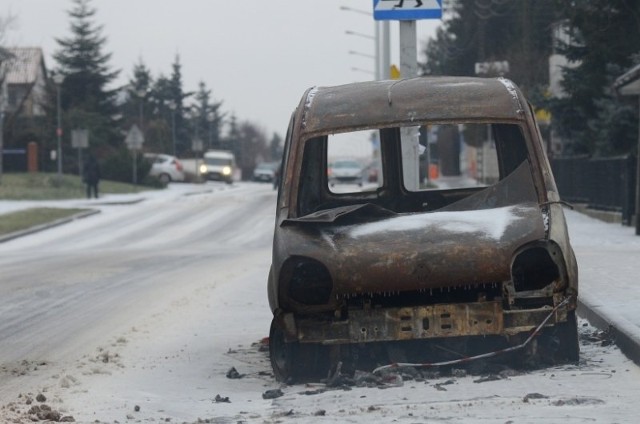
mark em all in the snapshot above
pixel 393 102
pixel 219 154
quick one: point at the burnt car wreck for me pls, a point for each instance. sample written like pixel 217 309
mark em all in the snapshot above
pixel 459 245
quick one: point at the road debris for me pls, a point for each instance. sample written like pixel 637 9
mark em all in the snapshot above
pixel 272 394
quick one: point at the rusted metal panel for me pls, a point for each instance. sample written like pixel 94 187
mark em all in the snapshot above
pixel 387 103
pixel 425 322
pixel 421 251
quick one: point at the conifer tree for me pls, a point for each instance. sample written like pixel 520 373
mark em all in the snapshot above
pixel 208 117
pixel 604 36
pixel 86 98
pixel 176 96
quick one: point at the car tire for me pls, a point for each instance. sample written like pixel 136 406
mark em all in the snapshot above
pixel 284 356
pixel 165 178
pixel 294 362
pixel 563 340
pixel 554 345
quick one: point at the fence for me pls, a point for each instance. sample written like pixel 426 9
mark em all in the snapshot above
pixel 601 183
pixel 14 160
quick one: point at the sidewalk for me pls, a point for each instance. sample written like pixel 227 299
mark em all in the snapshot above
pixel 609 268
pixel 175 189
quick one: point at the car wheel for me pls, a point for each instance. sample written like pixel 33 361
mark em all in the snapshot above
pixel 554 345
pixel 283 355
pixel 563 341
pixel 293 361
pixel 165 178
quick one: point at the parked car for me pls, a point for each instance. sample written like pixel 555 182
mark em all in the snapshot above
pixel 345 171
pixel 165 168
pixel 266 172
pixel 475 263
pixel 218 165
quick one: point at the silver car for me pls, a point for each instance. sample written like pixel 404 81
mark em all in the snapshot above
pixel 345 171
pixel 165 168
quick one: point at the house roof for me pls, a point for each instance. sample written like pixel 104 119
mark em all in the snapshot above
pixel 629 82
pixel 23 67
pixel 4 54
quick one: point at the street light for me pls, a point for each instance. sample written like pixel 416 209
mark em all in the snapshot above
pixel 211 117
pixel 370 56
pixel 365 71
pixel 382 44
pixel 172 106
pixel 350 9
pixel 58 79
pixel 2 97
pixel 359 34
pixel 141 93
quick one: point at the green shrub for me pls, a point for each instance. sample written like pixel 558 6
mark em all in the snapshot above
pixel 118 166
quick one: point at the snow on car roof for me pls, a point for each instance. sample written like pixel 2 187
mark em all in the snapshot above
pixel 491 223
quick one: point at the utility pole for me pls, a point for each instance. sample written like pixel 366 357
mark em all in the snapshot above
pixel 406 15
pixel 410 135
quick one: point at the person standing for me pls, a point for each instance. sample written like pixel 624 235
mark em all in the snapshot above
pixel 92 177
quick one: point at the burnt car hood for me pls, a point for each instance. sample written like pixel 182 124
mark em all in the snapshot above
pixel 369 249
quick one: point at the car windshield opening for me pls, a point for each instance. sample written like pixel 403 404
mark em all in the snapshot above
pixel 218 161
pixel 417 168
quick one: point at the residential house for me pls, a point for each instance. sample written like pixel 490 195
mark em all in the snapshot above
pixel 25 82
pixel 23 96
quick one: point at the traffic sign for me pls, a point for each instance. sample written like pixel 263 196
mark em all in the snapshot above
pixel 135 138
pixel 80 139
pixel 406 10
pixel 395 72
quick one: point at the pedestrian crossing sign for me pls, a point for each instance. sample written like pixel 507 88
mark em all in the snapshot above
pixel 406 10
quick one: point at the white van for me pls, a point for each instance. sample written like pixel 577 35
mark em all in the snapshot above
pixel 219 165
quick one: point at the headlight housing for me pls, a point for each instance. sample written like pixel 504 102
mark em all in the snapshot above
pixel 306 280
pixel 226 170
pixel 538 266
pixel 203 169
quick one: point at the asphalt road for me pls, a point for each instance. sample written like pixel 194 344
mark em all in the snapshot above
pixel 63 290
pixel 149 305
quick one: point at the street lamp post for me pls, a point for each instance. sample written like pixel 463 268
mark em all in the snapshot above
pixel 360 34
pixel 141 92
pixel 355 53
pixel 172 106
pixel 210 118
pixel 353 68
pixel 1 131
pixel 382 44
pixel 58 79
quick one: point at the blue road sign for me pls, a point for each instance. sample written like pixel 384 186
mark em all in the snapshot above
pixel 406 10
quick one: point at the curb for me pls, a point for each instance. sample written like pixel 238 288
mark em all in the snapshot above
pixel 625 334
pixel 41 227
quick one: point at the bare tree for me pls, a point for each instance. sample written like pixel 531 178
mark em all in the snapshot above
pixel 6 22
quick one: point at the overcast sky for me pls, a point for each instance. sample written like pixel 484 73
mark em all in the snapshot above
pixel 257 56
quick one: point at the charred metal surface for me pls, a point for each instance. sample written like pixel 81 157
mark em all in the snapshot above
pixel 439 266
pixel 389 252
pixel 384 103
pixel 428 322
pixel 374 325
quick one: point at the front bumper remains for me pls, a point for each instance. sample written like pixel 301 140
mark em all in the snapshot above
pixel 419 322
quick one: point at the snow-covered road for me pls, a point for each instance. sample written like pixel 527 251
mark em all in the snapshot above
pixel 138 313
